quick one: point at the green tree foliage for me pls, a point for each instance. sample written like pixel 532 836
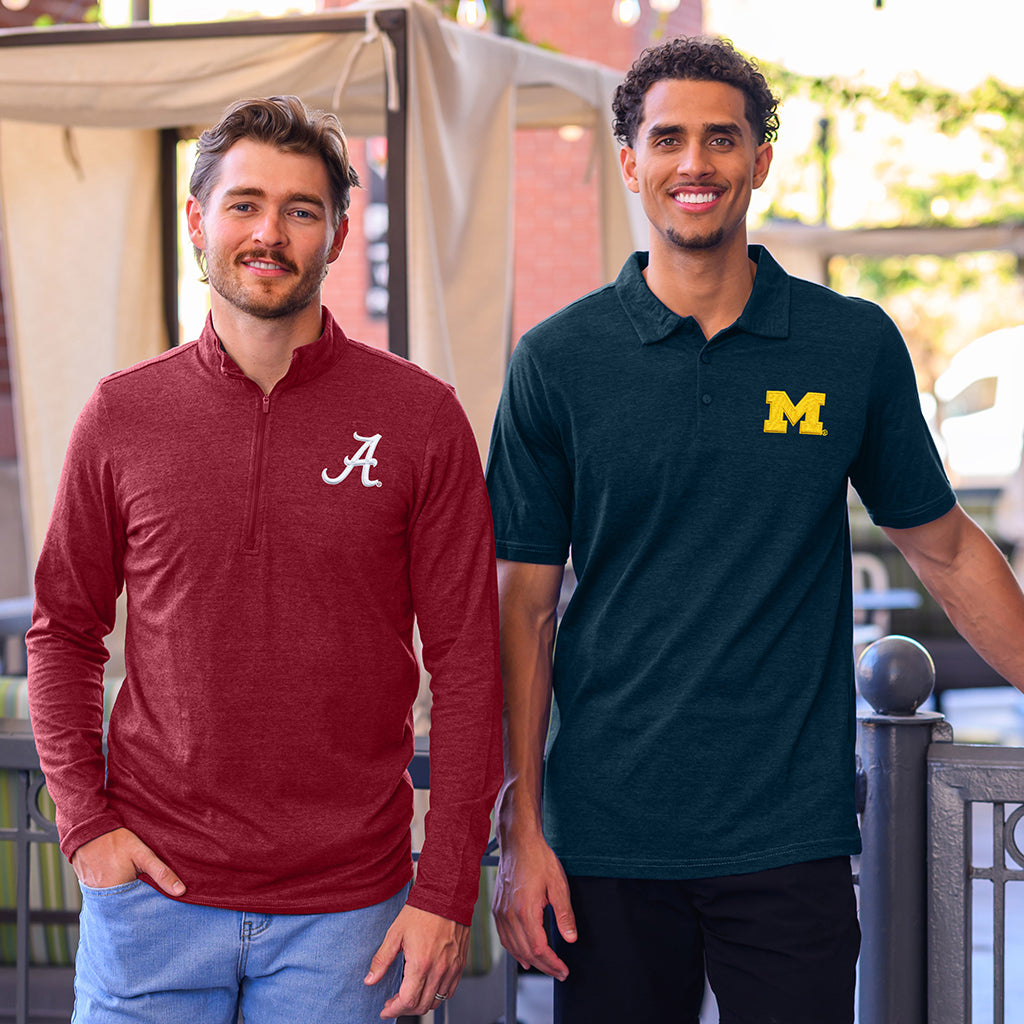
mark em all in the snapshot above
pixel 925 156
pixel 988 118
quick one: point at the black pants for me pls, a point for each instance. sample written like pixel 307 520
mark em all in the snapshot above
pixel 778 946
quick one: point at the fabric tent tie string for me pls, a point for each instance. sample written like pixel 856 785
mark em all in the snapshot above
pixel 372 34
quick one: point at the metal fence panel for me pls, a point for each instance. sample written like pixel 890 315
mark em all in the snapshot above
pixel 960 776
pixel 30 826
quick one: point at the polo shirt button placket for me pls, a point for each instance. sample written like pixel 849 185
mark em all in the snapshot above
pixel 705 358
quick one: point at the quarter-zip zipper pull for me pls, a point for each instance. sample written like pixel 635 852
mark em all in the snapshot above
pixel 266 403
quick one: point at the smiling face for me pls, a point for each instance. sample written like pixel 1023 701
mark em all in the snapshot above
pixel 266 230
pixel 695 164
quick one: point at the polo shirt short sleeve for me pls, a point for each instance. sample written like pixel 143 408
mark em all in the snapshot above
pixel 703 670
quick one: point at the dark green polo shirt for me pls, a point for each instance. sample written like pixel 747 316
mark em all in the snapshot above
pixel 705 707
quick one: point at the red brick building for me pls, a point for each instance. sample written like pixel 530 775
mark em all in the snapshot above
pixel 556 238
pixel 556 223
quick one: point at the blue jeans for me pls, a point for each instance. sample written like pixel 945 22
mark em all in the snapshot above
pixel 148 959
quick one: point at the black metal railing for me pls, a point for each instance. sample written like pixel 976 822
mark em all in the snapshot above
pixel 916 789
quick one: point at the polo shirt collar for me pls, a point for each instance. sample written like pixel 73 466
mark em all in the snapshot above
pixel 766 313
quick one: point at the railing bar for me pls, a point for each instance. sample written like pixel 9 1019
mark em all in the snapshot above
pixel 8 915
pixel 41 1015
pixel 999 912
pixel 967 940
pixel 998 947
pixel 511 988
pixel 21 929
pixel 999 952
pixel 1010 875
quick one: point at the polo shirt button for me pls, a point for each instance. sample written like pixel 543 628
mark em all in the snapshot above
pixel 706 399
pixel 705 358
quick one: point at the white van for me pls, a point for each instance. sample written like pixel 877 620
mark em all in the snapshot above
pixel 979 409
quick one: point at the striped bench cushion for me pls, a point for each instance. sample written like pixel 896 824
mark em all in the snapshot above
pixel 52 881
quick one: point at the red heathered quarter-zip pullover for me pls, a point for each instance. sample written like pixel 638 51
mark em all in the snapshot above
pixel 275 550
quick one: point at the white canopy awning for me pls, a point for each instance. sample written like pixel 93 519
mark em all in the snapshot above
pixel 80 115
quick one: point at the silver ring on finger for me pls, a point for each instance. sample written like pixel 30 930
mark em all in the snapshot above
pixel 439 997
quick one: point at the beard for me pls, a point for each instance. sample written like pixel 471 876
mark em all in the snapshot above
pixel 708 241
pixel 259 299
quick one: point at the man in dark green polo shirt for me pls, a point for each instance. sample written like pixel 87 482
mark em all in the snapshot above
pixel 688 433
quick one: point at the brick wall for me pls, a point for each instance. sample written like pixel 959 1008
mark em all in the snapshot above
pixel 349 277
pixel 557 240
pixel 557 243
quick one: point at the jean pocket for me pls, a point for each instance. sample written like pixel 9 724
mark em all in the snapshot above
pixel 112 890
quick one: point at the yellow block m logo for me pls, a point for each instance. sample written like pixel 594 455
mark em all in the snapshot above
pixel 806 412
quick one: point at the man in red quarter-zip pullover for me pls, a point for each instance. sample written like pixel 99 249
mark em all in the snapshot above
pixel 279 502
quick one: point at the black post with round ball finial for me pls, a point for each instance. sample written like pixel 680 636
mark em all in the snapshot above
pixel 895 675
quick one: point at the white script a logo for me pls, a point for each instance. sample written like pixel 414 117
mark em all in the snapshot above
pixel 363 457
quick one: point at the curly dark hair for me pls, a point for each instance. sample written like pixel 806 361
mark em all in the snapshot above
pixel 698 59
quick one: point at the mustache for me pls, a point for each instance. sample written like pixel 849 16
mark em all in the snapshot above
pixel 265 254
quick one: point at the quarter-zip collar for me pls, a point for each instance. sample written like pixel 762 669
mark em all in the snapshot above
pixel 308 361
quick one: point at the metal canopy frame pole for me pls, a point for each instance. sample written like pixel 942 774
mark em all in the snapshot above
pixel 169 232
pixel 394 23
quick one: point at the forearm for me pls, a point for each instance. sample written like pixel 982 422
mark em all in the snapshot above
pixel 465 772
pixel 987 608
pixel 78 577
pixel 528 597
pixel 454 593
pixel 65 689
pixel 973 583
